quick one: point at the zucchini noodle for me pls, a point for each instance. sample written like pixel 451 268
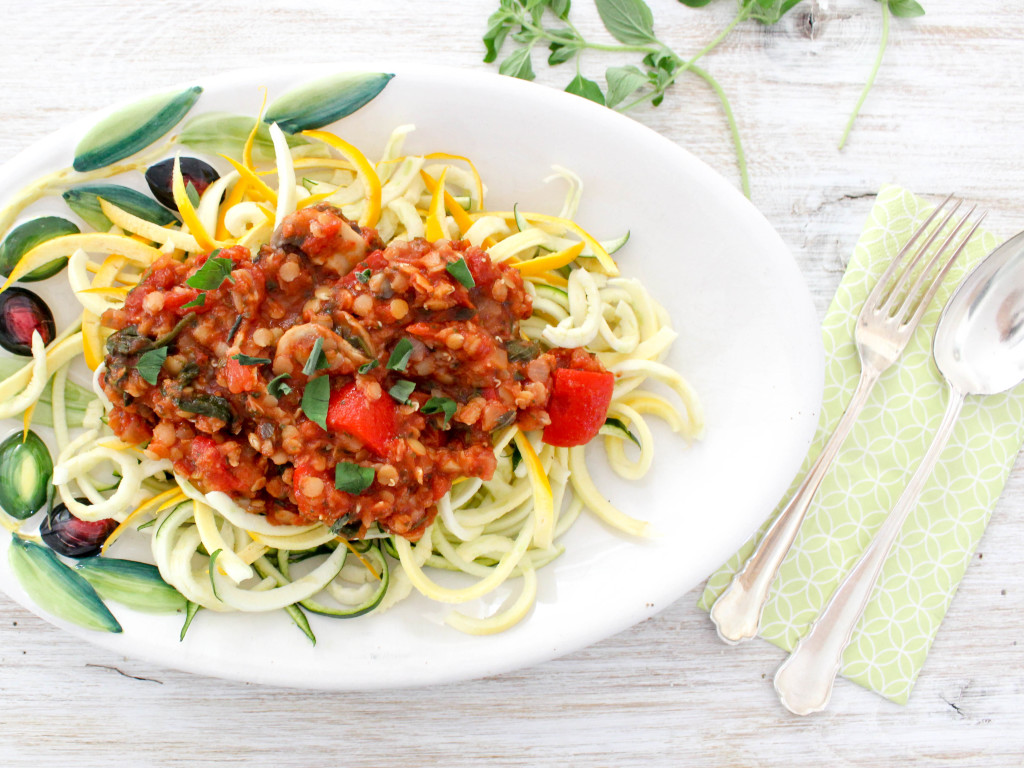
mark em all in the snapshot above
pixel 224 558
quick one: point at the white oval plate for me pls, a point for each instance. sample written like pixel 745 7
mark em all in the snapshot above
pixel 749 342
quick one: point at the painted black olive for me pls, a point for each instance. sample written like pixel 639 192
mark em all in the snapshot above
pixel 22 312
pixel 194 171
pixel 66 535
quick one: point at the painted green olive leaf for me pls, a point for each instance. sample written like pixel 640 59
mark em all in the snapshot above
pixel 24 237
pixel 25 473
pixel 56 588
pixel 323 101
pixel 85 201
pixel 131 583
pixel 133 128
pixel 221 133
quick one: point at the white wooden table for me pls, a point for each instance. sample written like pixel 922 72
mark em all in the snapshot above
pixel 944 116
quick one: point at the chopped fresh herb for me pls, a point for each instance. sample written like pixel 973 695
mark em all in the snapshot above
pixel 212 274
pixel 215 252
pixel 401 390
pixel 188 374
pixel 316 361
pixel 460 272
pixel 364 276
pixel 444 405
pixel 399 359
pixel 207 405
pixel 235 326
pixel 352 478
pixel 315 399
pixel 198 301
pixel 367 367
pixel 521 350
pixel 192 194
pixel 277 386
pixel 150 363
pixel 249 360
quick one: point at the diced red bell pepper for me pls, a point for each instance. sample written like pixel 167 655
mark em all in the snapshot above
pixel 578 406
pixel 210 465
pixel 241 378
pixel 371 421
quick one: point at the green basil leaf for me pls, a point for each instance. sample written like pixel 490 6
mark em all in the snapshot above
pixel 352 478
pixel 561 53
pixel 249 360
pixel 399 359
pixel 518 64
pixel 316 361
pixel 212 274
pixel 315 399
pixel 150 363
pixel 198 301
pixel 277 386
pixel 460 271
pixel 401 390
pixel 905 9
pixel 367 367
pixel 622 83
pixel 131 129
pixel 630 21
pixel 444 405
pixel 588 89
pixel 324 101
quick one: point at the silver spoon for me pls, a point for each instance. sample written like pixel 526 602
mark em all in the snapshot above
pixel 979 349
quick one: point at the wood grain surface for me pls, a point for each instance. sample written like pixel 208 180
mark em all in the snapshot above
pixel 944 116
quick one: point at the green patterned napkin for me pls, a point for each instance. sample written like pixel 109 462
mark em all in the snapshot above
pixel 880 454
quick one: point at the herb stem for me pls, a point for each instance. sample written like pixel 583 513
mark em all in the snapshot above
pixel 573 37
pixel 741 158
pixel 871 77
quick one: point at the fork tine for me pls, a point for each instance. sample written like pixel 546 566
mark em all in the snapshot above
pixel 925 273
pixel 876 293
pixel 901 282
pixel 930 293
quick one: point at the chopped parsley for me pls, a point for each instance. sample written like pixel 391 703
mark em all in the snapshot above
pixel 212 274
pixel 444 405
pixel 460 271
pixel 399 359
pixel 352 478
pixel 401 390
pixel 150 363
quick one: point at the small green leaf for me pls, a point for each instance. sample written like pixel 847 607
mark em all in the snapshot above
pixel 560 8
pixel 198 301
pixel 561 53
pixel 498 27
pixel 364 276
pixel 399 359
pixel 319 103
pixel 221 133
pixel 367 367
pixel 56 588
pixel 137 585
pixel 622 83
pixel 26 470
pixel 518 64
pixel 460 272
pixel 401 391
pixel 352 478
pixel 444 405
pixel 85 201
pixel 695 3
pixel 212 274
pixel 629 21
pixel 277 386
pixel 150 363
pixel 315 399
pixel 316 361
pixel 133 128
pixel 250 360
pixel 905 9
pixel 24 237
pixel 588 89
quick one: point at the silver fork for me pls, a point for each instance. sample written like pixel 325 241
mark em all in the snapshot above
pixel 891 313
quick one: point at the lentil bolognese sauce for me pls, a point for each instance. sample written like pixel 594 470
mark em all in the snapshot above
pixel 378 316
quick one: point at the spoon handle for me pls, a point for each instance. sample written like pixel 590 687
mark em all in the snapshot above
pixel 804 681
pixel 737 611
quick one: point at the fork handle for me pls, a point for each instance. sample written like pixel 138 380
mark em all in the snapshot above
pixel 737 611
pixel 804 680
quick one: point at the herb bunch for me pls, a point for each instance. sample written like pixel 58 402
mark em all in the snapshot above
pixel 530 24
